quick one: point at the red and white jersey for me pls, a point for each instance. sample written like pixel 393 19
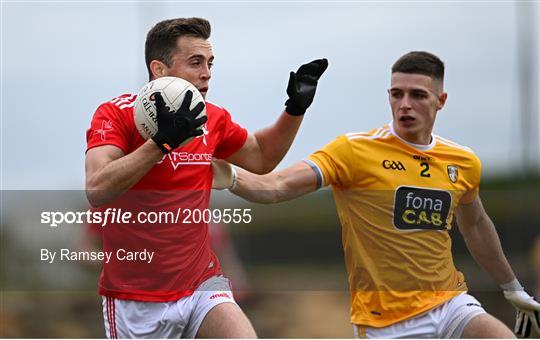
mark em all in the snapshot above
pixel 179 184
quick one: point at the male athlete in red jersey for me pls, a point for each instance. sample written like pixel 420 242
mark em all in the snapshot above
pixel 170 285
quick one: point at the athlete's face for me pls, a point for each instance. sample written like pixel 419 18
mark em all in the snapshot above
pixel 415 100
pixel 192 62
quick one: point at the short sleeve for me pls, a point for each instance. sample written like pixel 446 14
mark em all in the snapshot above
pixel 473 181
pixel 108 127
pixel 233 137
pixel 335 162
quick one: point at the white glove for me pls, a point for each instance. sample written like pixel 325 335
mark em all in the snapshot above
pixel 224 175
pixel 528 311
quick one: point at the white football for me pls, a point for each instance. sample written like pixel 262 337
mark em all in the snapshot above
pixel 173 91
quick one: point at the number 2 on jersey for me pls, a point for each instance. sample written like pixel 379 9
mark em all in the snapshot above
pixel 424 172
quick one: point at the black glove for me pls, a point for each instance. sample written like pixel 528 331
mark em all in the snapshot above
pixel 176 127
pixel 302 86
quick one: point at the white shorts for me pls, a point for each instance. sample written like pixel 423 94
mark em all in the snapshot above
pixel 175 319
pixel 445 321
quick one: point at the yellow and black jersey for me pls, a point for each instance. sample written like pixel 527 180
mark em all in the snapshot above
pixel 395 201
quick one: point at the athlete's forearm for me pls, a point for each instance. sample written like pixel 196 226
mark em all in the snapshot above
pixel 483 242
pixel 116 177
pixel 275 140
pixel 257 188
pixel 292 182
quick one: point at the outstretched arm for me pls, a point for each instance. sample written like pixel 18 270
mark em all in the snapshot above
pixel 263 150
pixel 292 182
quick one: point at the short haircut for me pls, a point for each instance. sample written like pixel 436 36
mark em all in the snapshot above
pixel 420 62
pixel 162 38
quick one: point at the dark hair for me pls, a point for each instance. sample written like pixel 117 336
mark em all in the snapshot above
pixel 421 63
pixel 162 38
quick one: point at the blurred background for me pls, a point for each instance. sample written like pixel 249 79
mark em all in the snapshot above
pixel 60 60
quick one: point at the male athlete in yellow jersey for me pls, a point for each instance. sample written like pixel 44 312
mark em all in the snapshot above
pixel 397 189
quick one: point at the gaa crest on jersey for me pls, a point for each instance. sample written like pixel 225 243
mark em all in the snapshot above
pixel 393 165
pixel 452 173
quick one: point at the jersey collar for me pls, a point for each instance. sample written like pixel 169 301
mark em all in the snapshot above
pixel 420 147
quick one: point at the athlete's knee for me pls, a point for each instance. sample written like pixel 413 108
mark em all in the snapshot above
pixel 486 326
